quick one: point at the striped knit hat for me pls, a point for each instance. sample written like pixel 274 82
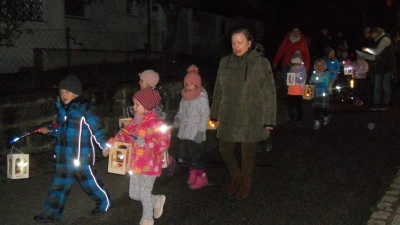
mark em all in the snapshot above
pixel 148 97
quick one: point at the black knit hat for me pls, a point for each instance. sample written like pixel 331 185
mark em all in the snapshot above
pixel 72 84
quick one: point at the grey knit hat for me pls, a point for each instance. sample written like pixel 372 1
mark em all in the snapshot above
pixel 72 84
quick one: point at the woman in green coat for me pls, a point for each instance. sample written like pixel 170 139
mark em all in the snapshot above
pixel 244 104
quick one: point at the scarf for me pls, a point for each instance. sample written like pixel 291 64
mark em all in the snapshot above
pixel 190 95
pixel 138 118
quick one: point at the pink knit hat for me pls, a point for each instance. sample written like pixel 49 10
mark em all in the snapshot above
pixel 151 77
pixel 149 98
pixel 193 76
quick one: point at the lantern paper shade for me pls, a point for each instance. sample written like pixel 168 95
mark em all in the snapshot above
pixel 308 92
pixel 212 125
pixel 123 122
pixel 348 70
pixel 17 165
pixel 119 158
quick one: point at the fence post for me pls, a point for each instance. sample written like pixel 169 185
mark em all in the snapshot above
pixel 68 37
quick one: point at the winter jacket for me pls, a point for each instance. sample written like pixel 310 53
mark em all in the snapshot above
pixel 301 77
pixel 147 159
pixel 193 116
pixel 333 66
pixel 244 97
pixel 360 68
pixel 287 49
pixel 321 82
pixel 78 130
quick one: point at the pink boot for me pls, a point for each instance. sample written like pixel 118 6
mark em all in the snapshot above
pixel 200 181
pixel 192 176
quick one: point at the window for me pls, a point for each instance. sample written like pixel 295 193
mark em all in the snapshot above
pixel 75 8
pixel 22 10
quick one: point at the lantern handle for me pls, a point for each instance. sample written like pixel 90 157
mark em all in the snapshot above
pixel 15 149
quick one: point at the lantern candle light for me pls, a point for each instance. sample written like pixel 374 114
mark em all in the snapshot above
pixel 17 165
pixel 212 125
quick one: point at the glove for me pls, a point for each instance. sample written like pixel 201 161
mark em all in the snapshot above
pixel 176 122
pixel 139 141
pixel 199 137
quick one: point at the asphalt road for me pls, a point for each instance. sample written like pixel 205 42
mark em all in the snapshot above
pixel 332 176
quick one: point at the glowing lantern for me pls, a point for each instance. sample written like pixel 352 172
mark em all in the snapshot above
pixel 352 83
pixel 123 122
pixel 212 125
pixel 17 165
pixel 348 69
pixel 308 92
pixel 119 158
pixel 291 79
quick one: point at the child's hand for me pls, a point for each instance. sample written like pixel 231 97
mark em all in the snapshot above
pixel 106 151
pixel 44 130
pixel 176 122
pixel 139 141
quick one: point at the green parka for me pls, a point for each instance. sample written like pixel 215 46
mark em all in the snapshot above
pixel 244 97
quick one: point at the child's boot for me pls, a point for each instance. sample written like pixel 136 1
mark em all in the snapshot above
pixel 192 176
pixel 317 125
pixel 201 180
pixel 327 119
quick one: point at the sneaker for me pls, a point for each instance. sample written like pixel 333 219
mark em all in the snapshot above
pixel 317 125
pixel 327 119
pixel 171 167
pixel 41 219
pixel 384 108
pixel 146 222
pixel 375 108
pixel 158 207
pixel 97 211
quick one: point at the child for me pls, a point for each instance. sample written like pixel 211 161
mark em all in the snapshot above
pixel 78 129
pixel 333 66
pixel 192 118
pixel 295 92
pixel 360 69
pixel 321 79
pixel 150 79
pixel 149 140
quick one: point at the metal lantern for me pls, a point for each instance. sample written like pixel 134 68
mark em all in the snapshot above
pixel 17 165
pixel 308 92
pixel 119 158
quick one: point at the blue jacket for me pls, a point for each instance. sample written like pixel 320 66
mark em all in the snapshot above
pixel 78 132
pixel 333 66
pixel 321 84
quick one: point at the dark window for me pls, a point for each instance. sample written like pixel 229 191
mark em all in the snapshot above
pixel 75 8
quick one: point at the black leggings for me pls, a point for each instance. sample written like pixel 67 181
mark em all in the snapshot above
pixel 318 111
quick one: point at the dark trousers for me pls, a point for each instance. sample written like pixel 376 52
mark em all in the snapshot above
pixel 295 107
pixel 247 153
pixel 319 111
pixel 191 154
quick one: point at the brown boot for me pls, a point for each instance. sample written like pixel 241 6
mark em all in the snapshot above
pixel 244 188
pixel 234 184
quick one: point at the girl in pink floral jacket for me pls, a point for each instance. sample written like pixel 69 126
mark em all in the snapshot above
pixel 149 137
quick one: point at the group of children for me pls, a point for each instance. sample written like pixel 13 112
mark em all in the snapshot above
pixel 325 76
pixel 80 128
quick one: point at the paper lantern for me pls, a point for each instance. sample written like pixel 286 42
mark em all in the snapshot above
pixel 308 92
pixel 119 158
pixel 17 165
pixel 347 70
pixel 291 79
pixel 212 125
pixel 123 122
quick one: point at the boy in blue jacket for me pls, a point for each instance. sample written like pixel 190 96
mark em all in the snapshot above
pixel 78 131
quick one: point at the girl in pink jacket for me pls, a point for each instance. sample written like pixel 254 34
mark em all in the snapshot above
pixel 149 137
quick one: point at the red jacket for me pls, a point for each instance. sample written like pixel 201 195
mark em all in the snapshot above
pixel 287 49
